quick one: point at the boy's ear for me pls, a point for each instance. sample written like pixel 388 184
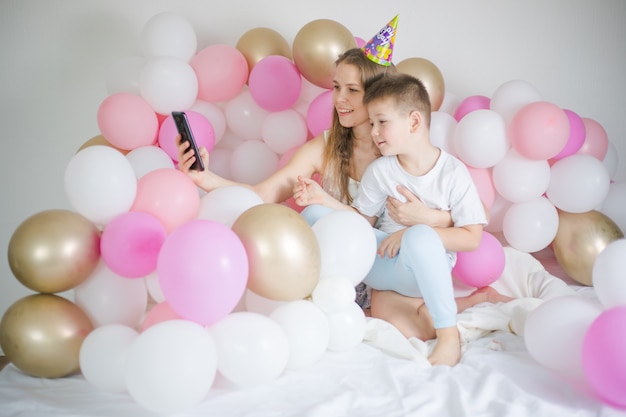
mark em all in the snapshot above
pixel 415 120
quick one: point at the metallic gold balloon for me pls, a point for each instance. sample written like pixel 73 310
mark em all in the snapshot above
pixel 100 140
pixel 54 250
pixel 429 74
pixel 283 253
pixel 579 240
pixel 259 43
pixel 317 46
pixel 41 334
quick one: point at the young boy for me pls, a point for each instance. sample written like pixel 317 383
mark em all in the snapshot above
pixel 414 261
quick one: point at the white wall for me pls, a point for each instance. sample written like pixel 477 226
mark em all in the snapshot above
pixel 55 55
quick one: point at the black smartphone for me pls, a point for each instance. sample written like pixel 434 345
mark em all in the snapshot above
pixel 182 125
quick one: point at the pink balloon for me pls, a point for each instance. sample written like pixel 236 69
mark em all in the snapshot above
pixel 130 244
pixel 470 104
pixel 539 130
pixel 576 135
pixel 483 266
pixel 201 128
pixel 484 184
pixel 127 121
pixel 169 195
pixel 596 140
pixel 222 71
pixel 319 116
pixel 604 361
pixel 275 83
pixel 159 313
pixel 203 271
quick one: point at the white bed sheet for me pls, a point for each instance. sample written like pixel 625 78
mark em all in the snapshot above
pixel 386 375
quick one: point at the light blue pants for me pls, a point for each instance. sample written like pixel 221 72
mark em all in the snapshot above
pixel 422 268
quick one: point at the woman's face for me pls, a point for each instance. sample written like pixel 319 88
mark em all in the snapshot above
pixel 348 96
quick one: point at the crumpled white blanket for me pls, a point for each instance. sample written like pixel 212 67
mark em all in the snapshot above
pixel 523 278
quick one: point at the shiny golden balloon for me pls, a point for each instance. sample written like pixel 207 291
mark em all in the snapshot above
pixel 316 47
pixel 579 240
pixel 54 251
pixel 100 140
pixel 259 43
pixel 429 75
pixel 283 253
pixel 41 334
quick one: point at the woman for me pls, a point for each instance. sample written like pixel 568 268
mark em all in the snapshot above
pixel 340 156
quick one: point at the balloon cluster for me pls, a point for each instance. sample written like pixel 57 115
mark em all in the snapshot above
pixel 584 339
pixel 243 288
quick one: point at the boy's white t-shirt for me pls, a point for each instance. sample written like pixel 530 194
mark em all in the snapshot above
pixel 448 186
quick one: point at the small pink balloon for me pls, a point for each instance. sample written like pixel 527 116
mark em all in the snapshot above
pixel 596 139
pixel 169 195
pixel 604 362
pixel 484 184
pixel 127 121
pixel 275 83
pixel 201 128
pixel 576 135
pixel 539 130
pixel 319 116
pixel 203 271
pixel 130 244
pixel 470 104
pixel 159 313
pixel 222 71
pixel 483 266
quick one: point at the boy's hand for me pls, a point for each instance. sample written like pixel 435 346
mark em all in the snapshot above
pixel 307 191
pixel 408 213
pixel 390 246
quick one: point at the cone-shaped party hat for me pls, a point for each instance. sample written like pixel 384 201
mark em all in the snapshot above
pixel 380 48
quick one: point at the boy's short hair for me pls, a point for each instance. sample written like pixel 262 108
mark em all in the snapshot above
pixel 407 92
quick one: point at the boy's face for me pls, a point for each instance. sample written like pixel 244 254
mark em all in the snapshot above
pixel 348 96
pixel 391 128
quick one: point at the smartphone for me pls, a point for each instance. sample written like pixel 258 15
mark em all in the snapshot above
pixel 182 125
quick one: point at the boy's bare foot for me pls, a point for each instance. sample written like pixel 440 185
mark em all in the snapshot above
pixel 489 295
pixel 447 351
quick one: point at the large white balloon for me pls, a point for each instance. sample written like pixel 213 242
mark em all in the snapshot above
pixel 168 84
pixel 225 204
pixel 171 366
pixel 148 158
pixel 333 293
pixel 609 275
pixel 511 96
pixel 520 179
pixel 284 130
pixel 530 226
pixel 480 138
pixel 252 162
pixel 100 183
pixel 347 328
pixel 168 34
pixel 347 245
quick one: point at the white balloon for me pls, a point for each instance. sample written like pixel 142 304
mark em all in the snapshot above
pixel 450 103
pixel 123 75
pixel 284 130
pixel 519 179
pixel 252 349
pixel 108 298
pixel 333 293
pixel 168 84
pixel 608 274
pixel 147 159
pixel 554 332
pixel 100 183
pixel 103 355
pixel 511 96
pixel 225 204
pixel 170 35
pixel 347 245
pixel 578 183
pixel 480 138
pixel 171 366
pixel 442 127
pixel 215 115
pixel 530 226
pixel 256 303
pixel 307 329
pixel 244 117
pixel 614 204
pixel 347 328
pixel 252 162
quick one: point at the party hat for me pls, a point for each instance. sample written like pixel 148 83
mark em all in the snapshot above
pixel 380 48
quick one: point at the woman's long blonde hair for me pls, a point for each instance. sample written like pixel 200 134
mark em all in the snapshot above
pixel 340 142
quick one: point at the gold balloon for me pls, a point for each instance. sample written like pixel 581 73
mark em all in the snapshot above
pixel 579 240
pixel 317 46
pixel 259 43
pixel 283 253
pixel 429 75
pixel 54 250
pixel 100 140
pixel 41 334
